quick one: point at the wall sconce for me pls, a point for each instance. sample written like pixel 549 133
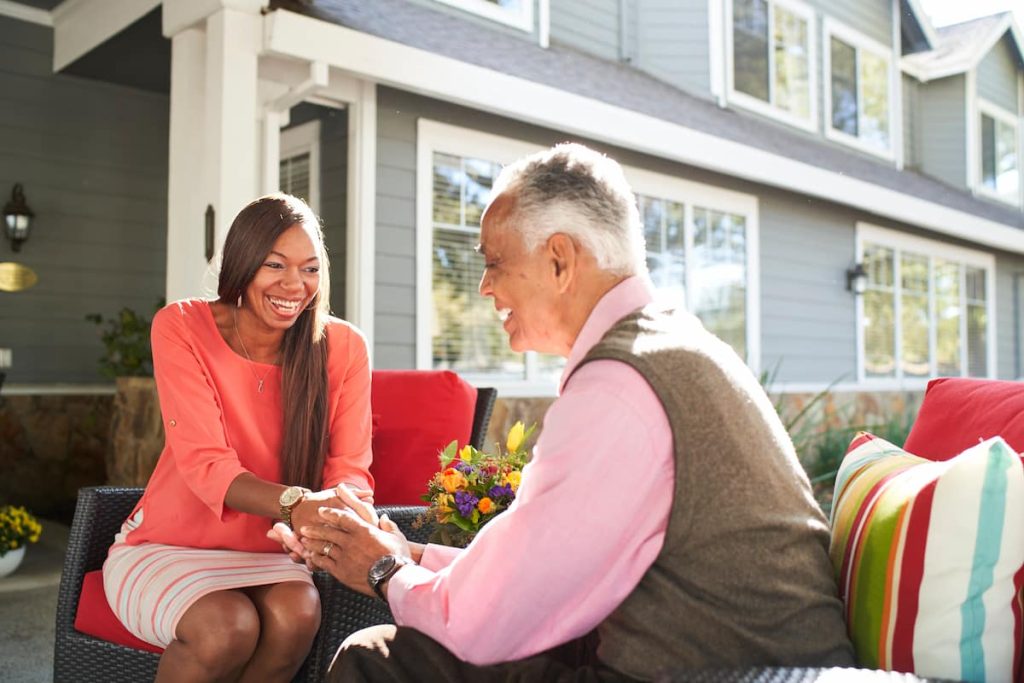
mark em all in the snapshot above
pixel 856 279
pixel 17 218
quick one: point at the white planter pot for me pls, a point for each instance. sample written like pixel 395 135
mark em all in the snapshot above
pixel 10 561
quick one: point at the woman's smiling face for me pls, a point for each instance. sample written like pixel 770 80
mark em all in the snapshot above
pixel 286 281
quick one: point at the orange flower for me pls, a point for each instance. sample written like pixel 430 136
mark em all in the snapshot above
pixel 485 505
pixel 453 480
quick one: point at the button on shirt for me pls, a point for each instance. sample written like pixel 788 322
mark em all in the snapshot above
pixel 588 520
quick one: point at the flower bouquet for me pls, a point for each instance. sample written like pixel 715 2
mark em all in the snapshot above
pixel 17 528
pixel 473 487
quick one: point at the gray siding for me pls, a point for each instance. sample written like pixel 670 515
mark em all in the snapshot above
pixel 943 152
pixel 873 18
pixel 911 128
pixel 93 160
pixel 673 43
pixel 483 21
pixel 1009 312
pixel 997 75
pixel 588 25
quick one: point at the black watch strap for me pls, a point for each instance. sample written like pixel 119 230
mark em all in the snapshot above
pixel 381 571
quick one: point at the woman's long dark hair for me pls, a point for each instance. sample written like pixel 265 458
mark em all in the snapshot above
pixel 304 348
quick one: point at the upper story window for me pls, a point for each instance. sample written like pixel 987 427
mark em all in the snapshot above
pixel 299 165
pixel 999 175
pixel 773 59
pixel 927 310
pixel 517 13
pixel 859 94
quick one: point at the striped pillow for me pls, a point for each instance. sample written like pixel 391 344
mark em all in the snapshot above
pixel 929 558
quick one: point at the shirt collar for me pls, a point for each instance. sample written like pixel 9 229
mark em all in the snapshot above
pixel 629 295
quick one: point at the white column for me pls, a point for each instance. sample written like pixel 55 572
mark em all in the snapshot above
pixel 185 196
pixel 362 217
pixel 232 140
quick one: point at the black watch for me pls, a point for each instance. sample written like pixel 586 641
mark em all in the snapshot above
pixel 382 570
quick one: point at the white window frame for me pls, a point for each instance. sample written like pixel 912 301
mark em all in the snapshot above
pixel 304 139
pixel 691 194
pixel 767 108
pixel 522 20
pixel 859 42
pixel 965 257
pixel 985 107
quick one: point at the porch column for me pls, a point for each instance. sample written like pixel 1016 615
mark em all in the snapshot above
pixel 215 146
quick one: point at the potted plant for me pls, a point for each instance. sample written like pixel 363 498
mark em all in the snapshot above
pixel 18 528
pixel 136 435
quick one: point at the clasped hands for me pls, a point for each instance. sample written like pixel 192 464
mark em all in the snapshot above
pixel 337 530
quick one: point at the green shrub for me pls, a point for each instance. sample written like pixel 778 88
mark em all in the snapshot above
pixel 126 340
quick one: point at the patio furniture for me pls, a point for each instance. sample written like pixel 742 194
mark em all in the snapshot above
pixel 100 649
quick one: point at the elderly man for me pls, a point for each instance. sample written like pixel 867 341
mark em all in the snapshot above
pixel 664 512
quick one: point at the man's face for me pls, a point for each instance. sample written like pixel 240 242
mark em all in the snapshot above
pixel 522 285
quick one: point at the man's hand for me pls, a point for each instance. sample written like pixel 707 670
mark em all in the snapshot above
pixel 352 545
pixel 341 496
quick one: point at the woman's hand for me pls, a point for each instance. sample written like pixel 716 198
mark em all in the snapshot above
pixel 340 497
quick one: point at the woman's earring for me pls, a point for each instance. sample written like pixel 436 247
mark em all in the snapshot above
pixel 238 304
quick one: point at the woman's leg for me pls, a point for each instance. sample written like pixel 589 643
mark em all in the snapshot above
pixel 214 640
pixel 289 617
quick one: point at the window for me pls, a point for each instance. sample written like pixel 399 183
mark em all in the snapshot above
pixel 1000 168
pixel 299 166
pixel 773 59
pixel 517 13
pixel 701 252
pixel 927 309
pixel 859 90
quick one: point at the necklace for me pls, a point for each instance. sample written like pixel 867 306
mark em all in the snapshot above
pixel 259 380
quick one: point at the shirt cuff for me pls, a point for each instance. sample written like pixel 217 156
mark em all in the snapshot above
pixel 402 583
pixel 437 557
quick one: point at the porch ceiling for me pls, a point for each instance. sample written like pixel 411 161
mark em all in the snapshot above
pixel 138 57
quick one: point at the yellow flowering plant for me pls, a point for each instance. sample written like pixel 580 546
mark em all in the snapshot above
pixel 17 528
pixel 473 487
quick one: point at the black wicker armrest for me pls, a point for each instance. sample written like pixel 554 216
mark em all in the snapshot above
pixel 345 611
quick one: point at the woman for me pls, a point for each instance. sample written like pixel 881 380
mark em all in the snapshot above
pixel 261 392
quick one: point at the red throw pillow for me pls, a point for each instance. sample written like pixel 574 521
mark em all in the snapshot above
pixel 958 412
pixel 95 618
pixel 416 414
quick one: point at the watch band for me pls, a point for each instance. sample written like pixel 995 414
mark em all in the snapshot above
pixel 379 575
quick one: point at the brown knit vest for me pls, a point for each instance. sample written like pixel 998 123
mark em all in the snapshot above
pixel 744 576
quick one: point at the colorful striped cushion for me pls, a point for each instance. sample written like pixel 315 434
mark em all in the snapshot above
pixel 929 558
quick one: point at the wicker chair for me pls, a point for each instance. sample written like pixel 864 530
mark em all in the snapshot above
pixel 98 516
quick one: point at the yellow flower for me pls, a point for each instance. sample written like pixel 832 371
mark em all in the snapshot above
pixel 466 454
pixel 515 437
pixel 453 480
pixel 485 505
pixel 445 502
pixel 512 479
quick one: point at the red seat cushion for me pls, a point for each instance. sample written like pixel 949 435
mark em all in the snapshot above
pixel 417 413
pixel 95 618
pixel 958 412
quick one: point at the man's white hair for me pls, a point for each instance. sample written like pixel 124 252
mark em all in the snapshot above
pixel 574 190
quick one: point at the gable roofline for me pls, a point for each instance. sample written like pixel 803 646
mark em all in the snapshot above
pixel 924 21
pixel 970 61
pixel 430 74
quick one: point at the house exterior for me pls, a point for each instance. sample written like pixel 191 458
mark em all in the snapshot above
pixel 778 149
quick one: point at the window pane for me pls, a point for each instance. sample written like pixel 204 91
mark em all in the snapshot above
pixel 719 262
pixel 1007 175
pixel 750 47
pixel 844 87
pixel 663 229
pixel 914 315
pixel 874 73
pixel 988 151
pixel 294 174
pixel 465 336
pixel 977 323
pixel 947 322
pixel 792 81
pixel 879 304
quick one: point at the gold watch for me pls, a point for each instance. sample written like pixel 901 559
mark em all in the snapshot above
pixel 290 497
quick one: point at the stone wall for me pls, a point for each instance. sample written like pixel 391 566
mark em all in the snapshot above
pixel 50 446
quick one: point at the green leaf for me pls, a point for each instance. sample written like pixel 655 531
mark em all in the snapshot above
pixel 449 453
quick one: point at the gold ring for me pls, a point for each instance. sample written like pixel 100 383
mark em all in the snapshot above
pixel 326 552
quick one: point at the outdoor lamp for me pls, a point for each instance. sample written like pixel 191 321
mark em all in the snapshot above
pixel 17 218
pixel 856 279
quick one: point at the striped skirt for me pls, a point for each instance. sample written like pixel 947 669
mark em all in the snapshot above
pixel 150 586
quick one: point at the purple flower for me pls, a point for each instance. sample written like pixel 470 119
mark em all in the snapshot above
pixel 501 491
pixel 464 467
pixel 465 502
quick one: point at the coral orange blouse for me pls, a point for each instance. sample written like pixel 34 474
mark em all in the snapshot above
pixel 219 426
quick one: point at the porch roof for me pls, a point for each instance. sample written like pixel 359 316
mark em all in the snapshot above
pixel 626 87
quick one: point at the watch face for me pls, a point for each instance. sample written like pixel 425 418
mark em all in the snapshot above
pixel 382 567
pixel 291 495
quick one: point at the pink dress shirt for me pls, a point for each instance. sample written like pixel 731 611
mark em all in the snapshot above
pixel 588 520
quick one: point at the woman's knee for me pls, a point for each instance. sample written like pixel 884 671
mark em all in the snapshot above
pixel 221 630
pixel 291 612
